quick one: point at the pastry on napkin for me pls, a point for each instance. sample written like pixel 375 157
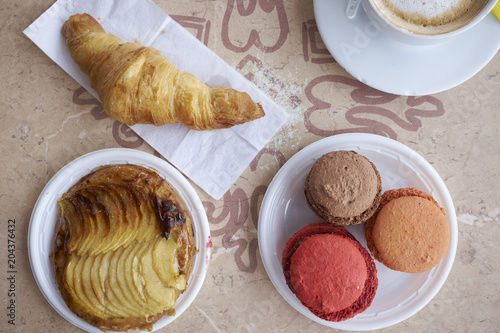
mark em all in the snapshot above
pixel 138 85
pixel 212 159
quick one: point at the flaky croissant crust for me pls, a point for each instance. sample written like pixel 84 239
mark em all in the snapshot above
pixel 138 85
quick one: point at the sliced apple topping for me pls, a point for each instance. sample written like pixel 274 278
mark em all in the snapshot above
pixel 123 249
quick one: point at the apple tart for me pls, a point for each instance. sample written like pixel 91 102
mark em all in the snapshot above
pixel 124 248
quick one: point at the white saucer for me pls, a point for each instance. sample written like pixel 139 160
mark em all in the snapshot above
pixel 393 67
pixel 284 211
pixel 42 228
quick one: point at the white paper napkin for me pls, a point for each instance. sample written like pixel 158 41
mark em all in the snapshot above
pixel 212 159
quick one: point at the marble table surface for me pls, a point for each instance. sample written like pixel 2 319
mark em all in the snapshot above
pixel 47 120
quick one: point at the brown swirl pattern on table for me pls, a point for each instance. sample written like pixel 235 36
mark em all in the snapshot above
pixel 79 99
pixel 237 208
pixel 235 13
pixel 371 100
pixel 235 212
pixel 198 26
pixel 278 155
pixel 125 136
pixel 312 45
pixel 122 134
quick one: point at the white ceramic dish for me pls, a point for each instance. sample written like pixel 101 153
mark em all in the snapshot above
pixel 369 55
pixel 42 228
pixel 284 211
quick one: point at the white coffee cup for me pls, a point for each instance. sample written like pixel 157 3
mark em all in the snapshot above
pixel 389 22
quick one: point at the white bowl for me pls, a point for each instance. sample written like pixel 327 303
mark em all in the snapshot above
pixel 42 228
pixel 284 211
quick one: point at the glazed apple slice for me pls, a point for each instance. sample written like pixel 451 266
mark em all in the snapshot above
pixel 103 214
pixel 122 218
pixel 148 226
pixel 73 223
pixel 98 288
pixel 114 286
pixel 119 218
pixel 153 286
pixel 121 279
pixel 104 283
pixel 68 275
pixel 115 212
pixel 83 208
pixel 125 278
pixel 140 278
pixel 95 281
pixel 165 264
pixel 131 213
pixel 101 218
pixel 130 271
pixel 79 297
pixel 88 290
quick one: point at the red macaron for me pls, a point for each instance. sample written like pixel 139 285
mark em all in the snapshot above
pixel 329 271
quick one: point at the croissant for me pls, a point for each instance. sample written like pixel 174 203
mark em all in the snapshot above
pixel 138 85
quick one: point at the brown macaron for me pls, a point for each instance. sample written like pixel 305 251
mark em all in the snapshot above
pixel 343 188
pixel 408 232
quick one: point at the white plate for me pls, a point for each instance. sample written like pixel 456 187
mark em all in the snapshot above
pixel 284 211
pixel 42 228
pixel 387 65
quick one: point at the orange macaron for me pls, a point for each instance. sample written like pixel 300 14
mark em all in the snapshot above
pixel 408 232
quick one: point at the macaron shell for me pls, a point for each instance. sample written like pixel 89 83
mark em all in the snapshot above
pixel 371 283
pixel 328 272
pixel 411 234
pixel 299 236
pixel 386 197
pixel 343 188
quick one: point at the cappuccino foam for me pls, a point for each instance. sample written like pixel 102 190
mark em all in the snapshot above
pixel 430 16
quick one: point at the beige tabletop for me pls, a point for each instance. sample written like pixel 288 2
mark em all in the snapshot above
pixel 47 120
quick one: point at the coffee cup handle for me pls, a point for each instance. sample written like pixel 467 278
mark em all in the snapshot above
pixel 352 8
